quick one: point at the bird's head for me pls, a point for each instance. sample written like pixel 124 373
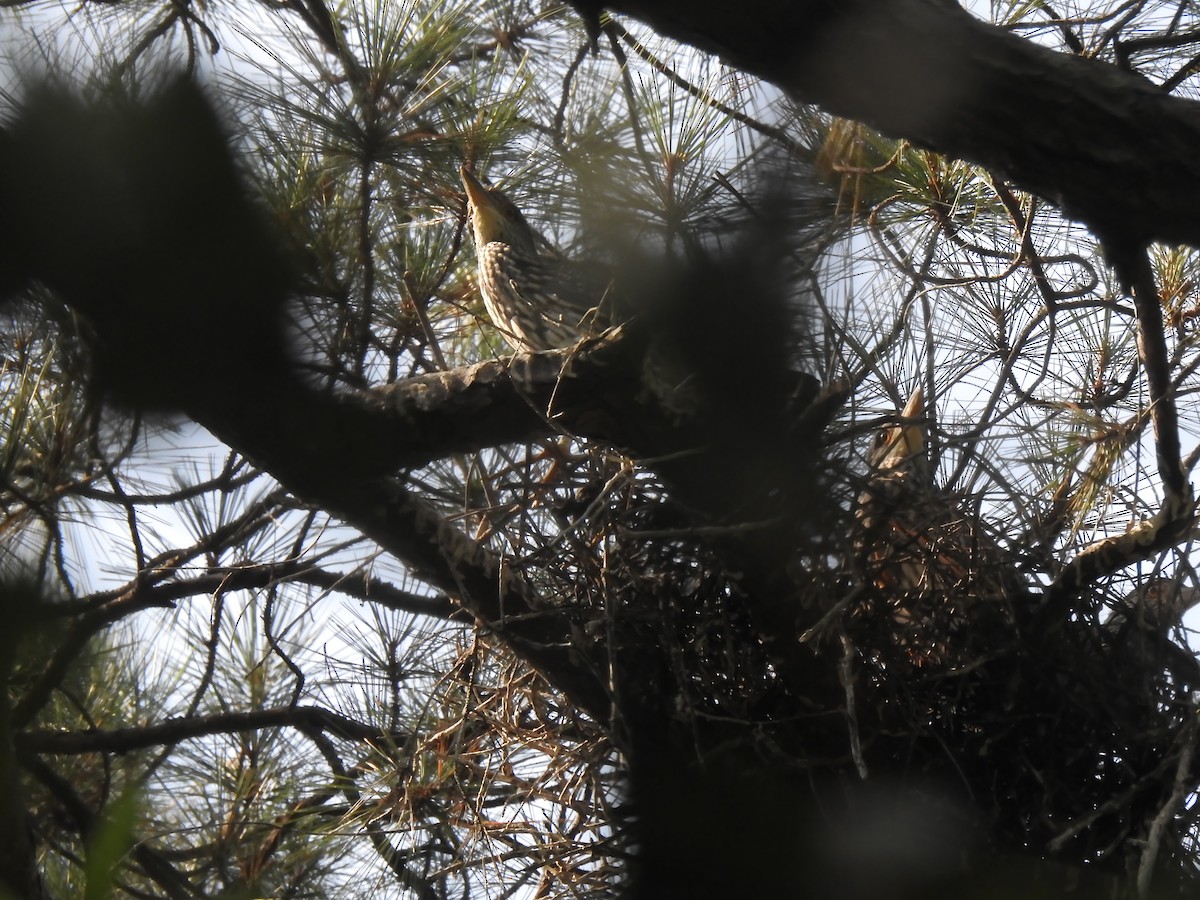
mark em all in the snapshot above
pixel 900 448
pixel 494 217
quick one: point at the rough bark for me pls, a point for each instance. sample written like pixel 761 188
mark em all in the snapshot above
pixel 1107 145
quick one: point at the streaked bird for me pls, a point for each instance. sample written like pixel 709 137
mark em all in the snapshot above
pixel 1157 605
pixel 1143 632
pixel 946 589
pixel 537 298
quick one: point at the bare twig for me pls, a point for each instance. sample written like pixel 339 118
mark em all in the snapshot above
pixel 1184 785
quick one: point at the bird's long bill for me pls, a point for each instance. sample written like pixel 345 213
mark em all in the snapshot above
pixel 476 191
pixel 912 434
pixel 904 441
pixel 486 215
pixel 915 407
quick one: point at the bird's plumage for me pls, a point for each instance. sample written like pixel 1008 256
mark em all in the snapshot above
pixel 537 298
pixel 1142 635
pixel 942 580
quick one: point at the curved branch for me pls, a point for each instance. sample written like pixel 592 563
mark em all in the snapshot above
pixel 172 731
pixel 1070 129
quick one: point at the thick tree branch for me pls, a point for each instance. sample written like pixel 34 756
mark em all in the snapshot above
pixel 520 398
pixel 1108 146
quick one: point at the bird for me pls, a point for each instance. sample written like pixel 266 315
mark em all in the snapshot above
pixel 535 296
pixel 1156 605
pixel 1138 634
pixel 946 588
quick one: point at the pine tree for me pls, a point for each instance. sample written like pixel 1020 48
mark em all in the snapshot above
pixel 319 583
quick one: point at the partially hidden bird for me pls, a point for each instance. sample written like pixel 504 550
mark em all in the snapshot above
pixel 535 296
pixel 947 590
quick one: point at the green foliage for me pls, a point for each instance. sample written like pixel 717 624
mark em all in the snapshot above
pixel 108 845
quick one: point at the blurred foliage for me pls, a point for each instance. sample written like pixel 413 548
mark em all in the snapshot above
pixel 299 714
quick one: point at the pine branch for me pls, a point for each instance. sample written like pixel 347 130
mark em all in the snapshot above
pixel 172 731
pixel 1068 128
